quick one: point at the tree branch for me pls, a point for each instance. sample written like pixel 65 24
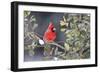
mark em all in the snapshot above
pixel 52 43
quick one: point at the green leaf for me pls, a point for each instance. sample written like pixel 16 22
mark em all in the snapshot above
pixel 32 19
pixel 67 47
pixel 75 49
pixel 26 13
pixel 62 29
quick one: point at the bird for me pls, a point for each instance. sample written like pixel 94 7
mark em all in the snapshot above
pixel 50 33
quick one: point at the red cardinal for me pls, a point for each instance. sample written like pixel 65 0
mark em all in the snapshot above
pixel 50 34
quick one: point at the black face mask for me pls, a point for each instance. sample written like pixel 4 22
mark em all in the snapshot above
pixel 53 29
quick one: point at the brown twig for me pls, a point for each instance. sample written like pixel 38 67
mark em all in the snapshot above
pixel 52 43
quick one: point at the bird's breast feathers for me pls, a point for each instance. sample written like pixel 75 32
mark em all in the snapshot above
pixel 49 36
